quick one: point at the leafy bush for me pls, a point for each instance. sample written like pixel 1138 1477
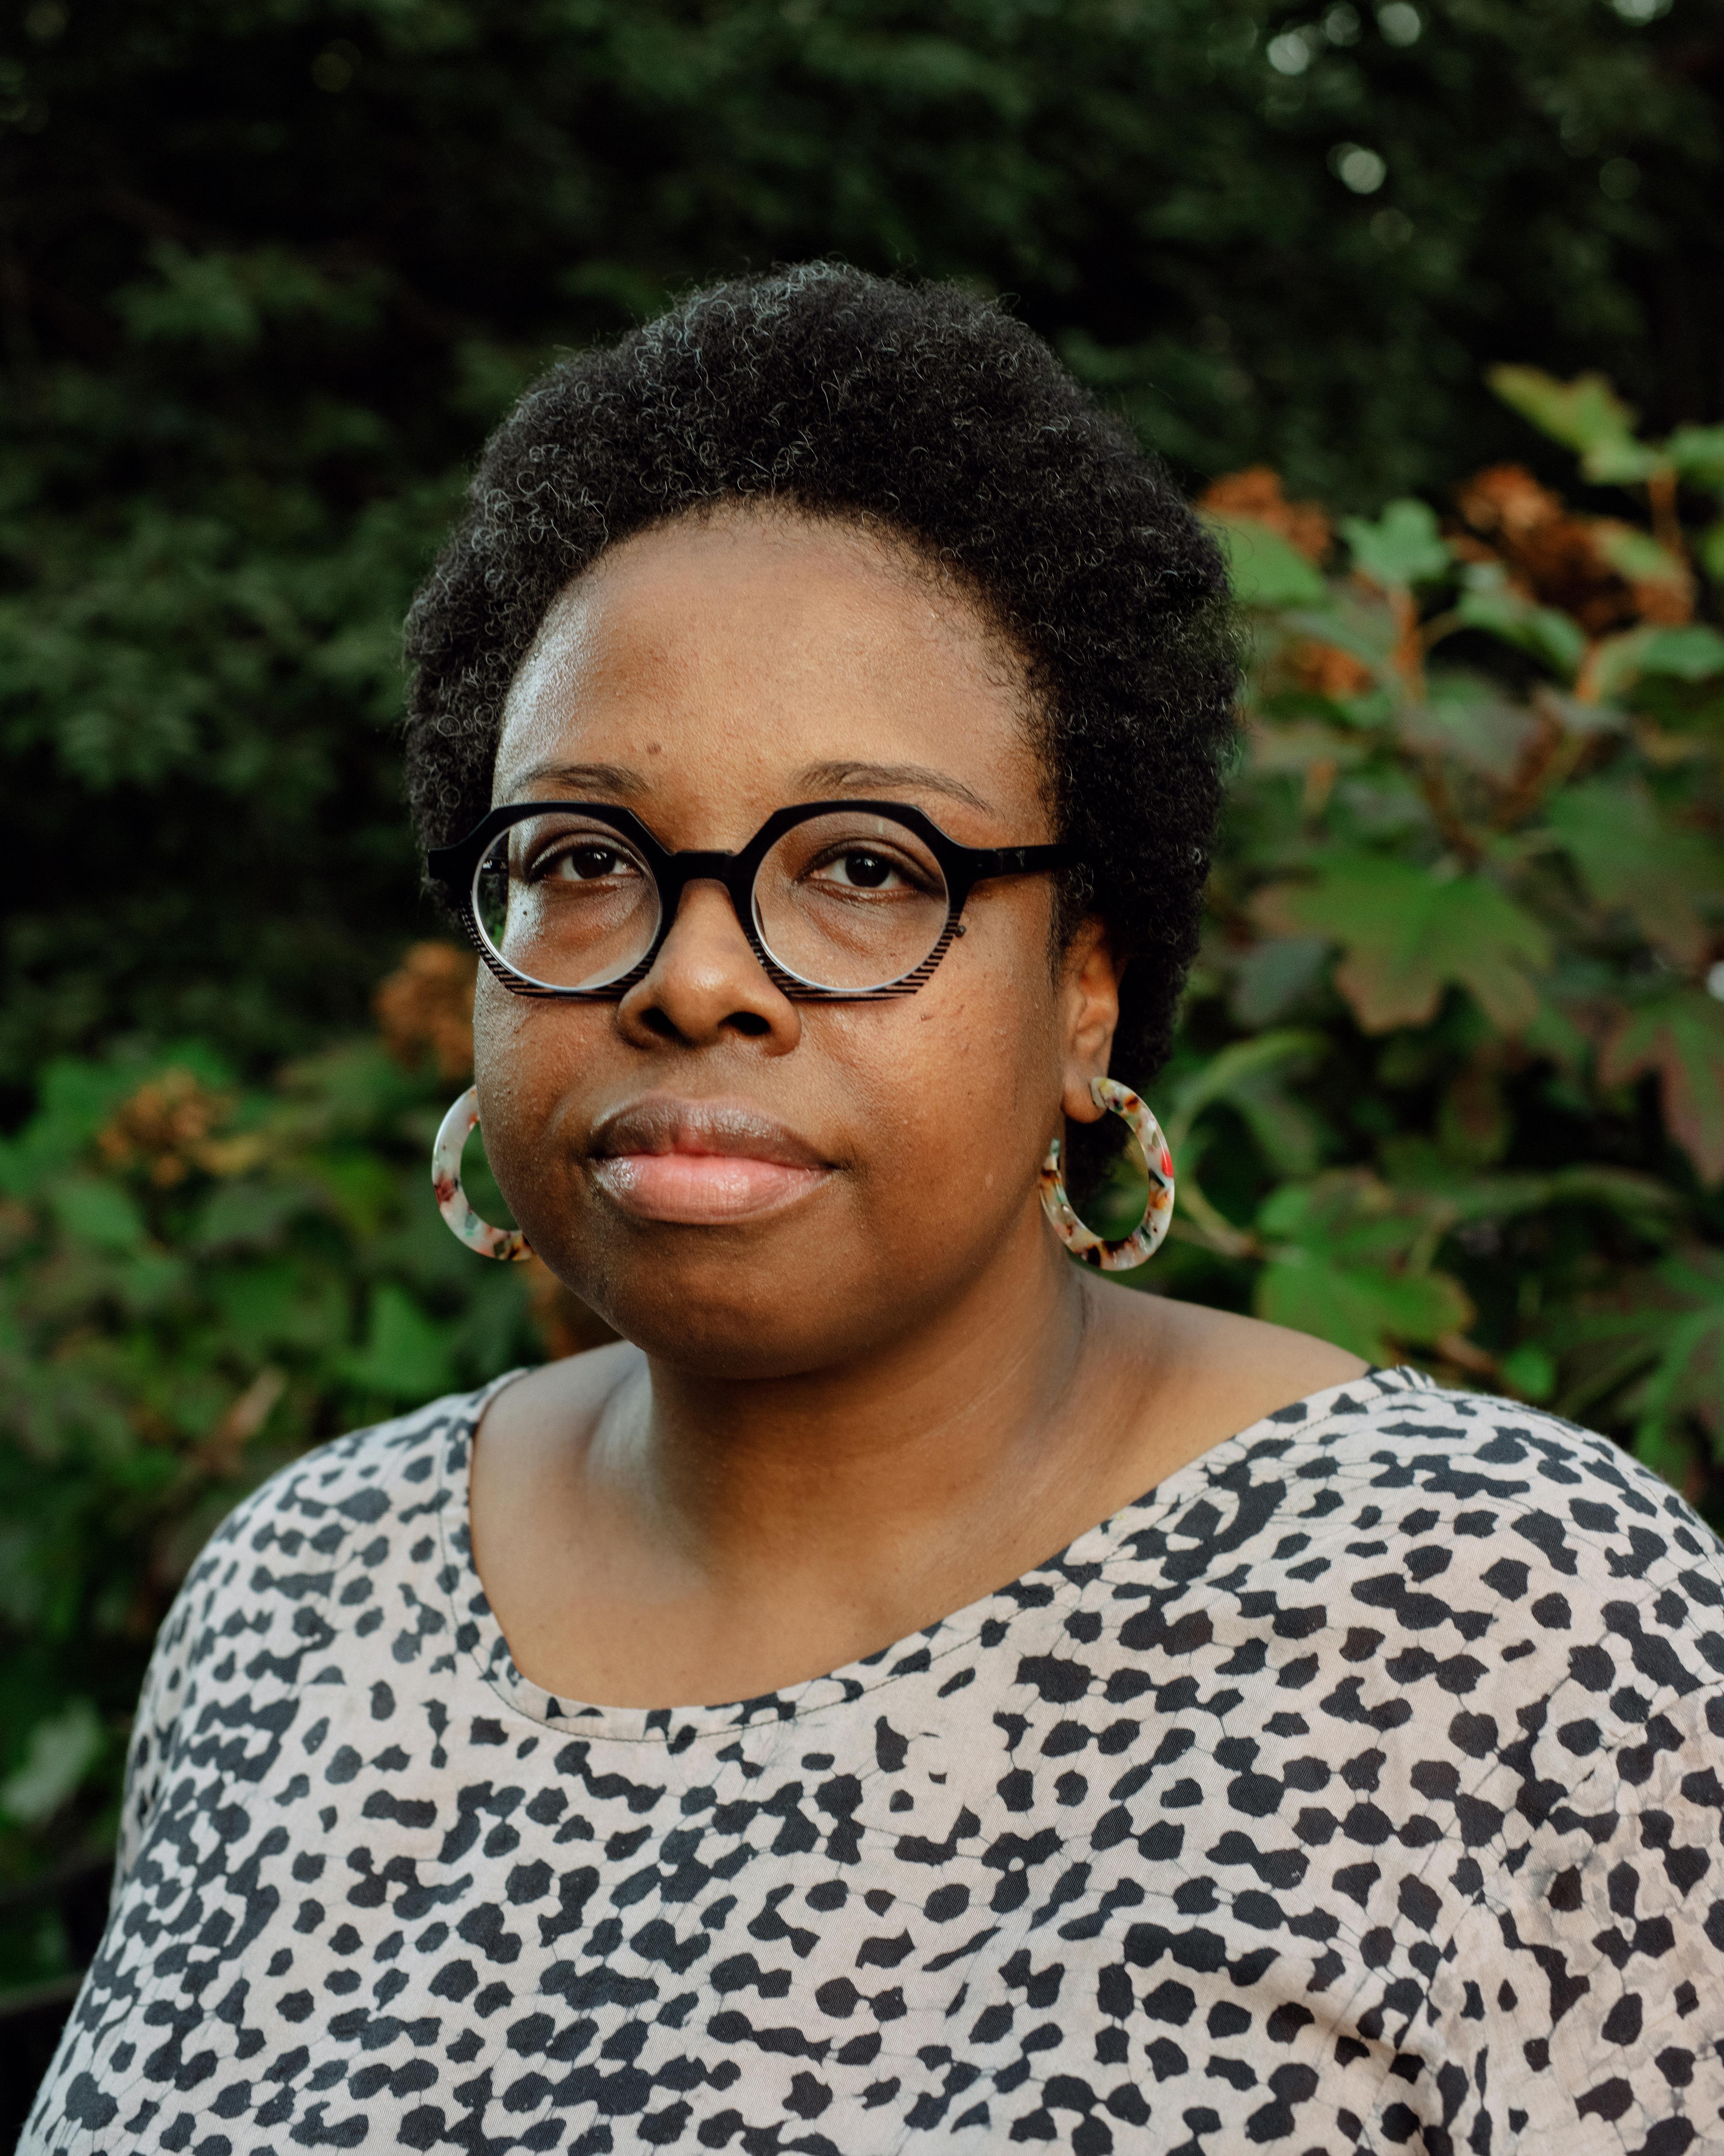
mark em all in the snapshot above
pixel 1452 1074
pixel 1450 1086
pixel 197 1280
pixel 267 274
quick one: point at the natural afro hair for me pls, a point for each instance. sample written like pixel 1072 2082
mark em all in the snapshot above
pixel 936 415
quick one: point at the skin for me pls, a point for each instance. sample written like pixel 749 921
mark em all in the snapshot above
pixel 857 1394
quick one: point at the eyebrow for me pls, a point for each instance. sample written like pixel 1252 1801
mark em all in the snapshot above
pixel 818 781
pixel 881 778
pixel 583 778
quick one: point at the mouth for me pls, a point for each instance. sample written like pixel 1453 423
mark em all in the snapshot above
pixel 702 1162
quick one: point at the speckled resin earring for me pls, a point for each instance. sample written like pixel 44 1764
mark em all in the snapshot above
pixel 1146 1238
pixel 457 1126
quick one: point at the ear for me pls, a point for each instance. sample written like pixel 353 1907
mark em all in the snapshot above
pixel 1089 1008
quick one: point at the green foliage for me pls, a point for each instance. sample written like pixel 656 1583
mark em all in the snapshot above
pixel 1336 1254
pixel 197 1280
pixel 1409 930
pixel 1401 547
pixel 267 274
pixel 1585 415
pixel 1452 1074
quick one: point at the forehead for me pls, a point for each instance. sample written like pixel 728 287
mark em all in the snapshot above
pixel 731 652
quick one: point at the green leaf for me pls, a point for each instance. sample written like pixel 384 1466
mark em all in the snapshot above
pixel 60 1752
pixel 1692 653
pixel 1585 414
pixel 1360 621
pixel 406 1355
pixel 1264 570
pixel 1403 547
pixel 99 1213
pixel 1467 717
pixel 1357 1307
pixel 1613 665
pixel 1289 1133
pixel 1409 932
pixel 1622 464
pixel 1530 1369
pixel 1419 1169
pixel 1678 1036
pixel 222 300
pixel 1698 454
pixel 1630 856
pixel 1338 1268
pixel 361 1188
pixel 1273 975
pixel 1580 414
pixel 1663 1354
pixel 192 299
pixel 1247 1076
pixel 1687 1332
pixel 281 1303
pixel 1637 555
pixel 1555 640
pixel 248 1216
pixel 1218 1077
pixel 1301 745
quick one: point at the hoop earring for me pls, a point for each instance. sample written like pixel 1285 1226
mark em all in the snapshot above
pixel 457 1127
pixel 1146 1238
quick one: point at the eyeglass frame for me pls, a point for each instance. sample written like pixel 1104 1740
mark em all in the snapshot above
pixel 455 868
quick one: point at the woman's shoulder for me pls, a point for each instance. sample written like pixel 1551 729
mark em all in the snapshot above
pixel 371 1498
pixel 1410 1431
pixel 333 1569
pixel 1466 1513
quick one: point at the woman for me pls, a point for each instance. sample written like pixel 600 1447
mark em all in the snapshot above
pixel 794 1727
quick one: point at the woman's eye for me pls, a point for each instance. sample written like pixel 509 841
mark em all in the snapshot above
pixel 861 870
pixel 589 863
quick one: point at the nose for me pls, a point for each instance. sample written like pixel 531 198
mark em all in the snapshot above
pixel 706 984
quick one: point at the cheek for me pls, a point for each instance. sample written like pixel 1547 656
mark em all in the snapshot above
pixel 494 1029
pixel 958 1094
pixel 524 1051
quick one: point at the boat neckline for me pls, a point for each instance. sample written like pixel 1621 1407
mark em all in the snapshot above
pixel 1049 1583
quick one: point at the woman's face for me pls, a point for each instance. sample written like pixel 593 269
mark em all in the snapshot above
pixel 741 1184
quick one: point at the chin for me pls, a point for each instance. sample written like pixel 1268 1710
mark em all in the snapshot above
pixel 718 1306
pixel 724 1338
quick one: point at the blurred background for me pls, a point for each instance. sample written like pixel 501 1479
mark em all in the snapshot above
pixel 1423 300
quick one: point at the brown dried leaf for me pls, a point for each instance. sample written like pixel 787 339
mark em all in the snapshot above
pixel 425 1007
pixel 1256 494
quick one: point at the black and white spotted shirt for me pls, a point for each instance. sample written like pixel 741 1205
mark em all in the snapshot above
pixel 1357 1789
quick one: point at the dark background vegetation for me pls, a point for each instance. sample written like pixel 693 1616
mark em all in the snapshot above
pixel 268 273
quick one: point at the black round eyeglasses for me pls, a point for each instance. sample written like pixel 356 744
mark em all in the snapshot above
pixel 839 899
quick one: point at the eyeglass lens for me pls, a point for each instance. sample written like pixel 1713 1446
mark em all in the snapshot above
pixel 848 899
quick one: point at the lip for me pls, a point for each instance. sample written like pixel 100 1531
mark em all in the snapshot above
pixel 702 1162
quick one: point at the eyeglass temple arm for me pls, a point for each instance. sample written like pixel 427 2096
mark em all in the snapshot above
pixel 1017 860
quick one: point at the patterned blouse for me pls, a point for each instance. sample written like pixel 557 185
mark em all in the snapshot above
pixel 1357 1788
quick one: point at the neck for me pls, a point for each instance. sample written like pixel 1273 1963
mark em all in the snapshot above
pixel 934 1436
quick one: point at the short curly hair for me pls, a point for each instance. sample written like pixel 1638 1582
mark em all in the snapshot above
pixel 934 413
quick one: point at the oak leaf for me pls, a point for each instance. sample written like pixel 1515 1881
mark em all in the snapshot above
pixel 1678 1036
pixel 1630 857
pixel 1338 1267
pixel 1409 932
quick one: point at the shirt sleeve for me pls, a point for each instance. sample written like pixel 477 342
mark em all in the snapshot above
pixel 1581 2006
pixel 151 1746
